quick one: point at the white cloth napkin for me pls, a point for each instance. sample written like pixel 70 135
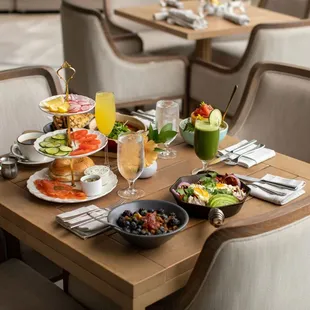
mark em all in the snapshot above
pixel 82 221
pixel 175 4
pixel 145 121
pixel 242 19
pixel 276 199
pixel 186 18
pixel 251 159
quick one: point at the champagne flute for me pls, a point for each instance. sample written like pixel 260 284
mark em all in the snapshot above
pixel 206 141
pixel 167 112
pixel 130 162
pixel 105 113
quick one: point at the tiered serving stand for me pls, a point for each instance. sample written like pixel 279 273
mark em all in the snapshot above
pixel 103 139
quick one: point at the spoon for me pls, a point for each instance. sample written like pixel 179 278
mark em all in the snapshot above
pixel 229 102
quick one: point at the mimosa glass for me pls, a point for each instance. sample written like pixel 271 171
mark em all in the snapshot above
pixel 167 112
pixel 105 113
pixel 130 162
pixel 206 141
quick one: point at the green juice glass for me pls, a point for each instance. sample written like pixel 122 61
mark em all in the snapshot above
pixel 206 143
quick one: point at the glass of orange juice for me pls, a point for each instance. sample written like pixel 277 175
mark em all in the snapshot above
pixel 105 113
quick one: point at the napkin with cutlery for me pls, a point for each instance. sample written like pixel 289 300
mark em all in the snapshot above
pixel 83 221
pixel 263 191
pixel 146 117
pixel 251 156
pixel 239 19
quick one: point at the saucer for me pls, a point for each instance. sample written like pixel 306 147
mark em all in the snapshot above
pixel 46 160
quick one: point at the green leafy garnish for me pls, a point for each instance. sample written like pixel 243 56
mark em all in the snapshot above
pixel 163 136
pixel 117 130
pixel 189 127
pixel 208 182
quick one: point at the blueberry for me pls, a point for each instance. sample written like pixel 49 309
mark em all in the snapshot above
pixel 127 223
pixel 143 212
pixel 133 225
pixel 174 222
pixel 172 214
pixel 150 211
pixel 164 217
pixel 158 232
pixel 162 229
pixel 139 230
pixel 127 213
pixel 160 211
pixel 121 221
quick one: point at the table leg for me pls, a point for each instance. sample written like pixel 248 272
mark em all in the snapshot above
pixel 204 49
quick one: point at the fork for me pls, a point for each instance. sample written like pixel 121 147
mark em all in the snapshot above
pixel 269 191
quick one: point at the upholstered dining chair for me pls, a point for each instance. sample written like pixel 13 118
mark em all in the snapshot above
pixel 154 41
pixel 288 43
pixel 274 109
pixel 100 66
pixel 21 91
pixel 253 264
pixel 228 51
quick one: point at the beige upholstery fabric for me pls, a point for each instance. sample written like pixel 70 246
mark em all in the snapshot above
pixel 6 5
pixel 270 44
pixel 295 8
pixel 100 68
pixel 154 41
pixel 19 100
pixel 276 113
pixel 89 297
pixel 24 289
pixel 268 271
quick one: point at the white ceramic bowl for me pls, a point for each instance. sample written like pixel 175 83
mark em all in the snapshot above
pixel 101 170
pixel 92 188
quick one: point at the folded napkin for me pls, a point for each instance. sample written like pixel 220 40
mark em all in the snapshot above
pixel 175 4
pixel 186 18
pixel 145 121
pixel 242 19
pixel 85 222
pixel 250 159
pixel 276 199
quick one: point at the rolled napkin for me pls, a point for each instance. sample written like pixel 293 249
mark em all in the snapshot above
pixel 85 222
pixel 242 19
pixel 186 18
pixel 175 4
pixel 160 16
pixel 277 199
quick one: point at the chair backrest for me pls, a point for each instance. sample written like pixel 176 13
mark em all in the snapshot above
pixel 21 91
pixel 88 47
pixel 286 43
pixel 112 5
pixel 254 264
pixel 297 8
pixel 275 109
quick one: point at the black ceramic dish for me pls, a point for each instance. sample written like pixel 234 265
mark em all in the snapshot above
pixel 203 211
pixel 151 241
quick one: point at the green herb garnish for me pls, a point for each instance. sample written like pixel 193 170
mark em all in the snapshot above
pixel 189 127
pixel 117 130
pixel 163 136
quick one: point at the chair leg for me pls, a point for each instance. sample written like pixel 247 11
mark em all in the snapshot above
pixel 65 275
pixel 12 246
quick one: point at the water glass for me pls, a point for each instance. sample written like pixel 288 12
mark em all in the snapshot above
pixel 167 112
pixel 130 162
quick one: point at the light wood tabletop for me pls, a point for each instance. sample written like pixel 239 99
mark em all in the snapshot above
pixel 217 26
pixel 131 277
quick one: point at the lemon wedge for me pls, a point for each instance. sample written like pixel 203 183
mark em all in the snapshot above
pixel 63 108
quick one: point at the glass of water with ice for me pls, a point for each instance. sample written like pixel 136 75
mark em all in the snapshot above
pixel 167 112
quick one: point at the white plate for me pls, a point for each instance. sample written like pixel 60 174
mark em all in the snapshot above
pixel 72 97
pixel 46 160
pixel 103 142
pixel 43 174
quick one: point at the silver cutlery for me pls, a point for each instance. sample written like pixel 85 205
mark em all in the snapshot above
pixel 145 113
pixel 269 191
pixel 149 118
pixel 246 178
pixel 235 161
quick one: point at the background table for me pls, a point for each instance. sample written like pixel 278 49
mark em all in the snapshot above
pixel 131 277
pixel 218 27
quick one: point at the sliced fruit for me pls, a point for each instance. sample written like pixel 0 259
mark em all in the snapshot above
pixel 221 200
pixel 52 144
pixel 52 150
pixel 64 148
pixel 215 118
pixel 49 139
pixel 61 153
pixel 62 142
pixel 59 136
pixel 44 144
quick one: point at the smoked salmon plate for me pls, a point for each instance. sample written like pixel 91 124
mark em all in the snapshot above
pixel 84 142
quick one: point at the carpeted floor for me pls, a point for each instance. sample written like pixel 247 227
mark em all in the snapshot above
pixel 30 39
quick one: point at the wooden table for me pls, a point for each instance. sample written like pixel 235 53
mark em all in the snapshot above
pixel 132 277
pixel 218 27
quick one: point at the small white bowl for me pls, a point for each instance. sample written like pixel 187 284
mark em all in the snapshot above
pixel 102 171
pixel 93 187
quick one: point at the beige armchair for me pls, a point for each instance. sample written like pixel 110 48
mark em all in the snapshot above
pixel 228 51
pixel 275 108
pixel 100 66
pixel 288 43
pixel 154 41
pixel 21 91
pixel 253 264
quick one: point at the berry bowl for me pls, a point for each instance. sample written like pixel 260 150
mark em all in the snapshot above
pixel 132 219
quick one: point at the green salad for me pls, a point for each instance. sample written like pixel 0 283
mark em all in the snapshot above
pixel 118 129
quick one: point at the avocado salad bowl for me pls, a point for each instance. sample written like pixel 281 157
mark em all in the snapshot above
pixel 198 194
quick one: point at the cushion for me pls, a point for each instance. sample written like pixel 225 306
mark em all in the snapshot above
pixel 22 288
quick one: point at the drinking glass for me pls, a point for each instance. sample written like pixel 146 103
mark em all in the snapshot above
pixel 167 112
pixel 206 141
pixel 130 162
pixel 201 8
pixel 105 113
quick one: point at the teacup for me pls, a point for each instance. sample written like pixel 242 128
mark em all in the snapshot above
pixel 24 148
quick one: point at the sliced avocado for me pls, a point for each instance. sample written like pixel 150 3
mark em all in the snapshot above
pixel 221 200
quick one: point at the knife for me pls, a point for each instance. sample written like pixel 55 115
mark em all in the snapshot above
pixel 252 180
pixel 224 157
pixel 149 118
